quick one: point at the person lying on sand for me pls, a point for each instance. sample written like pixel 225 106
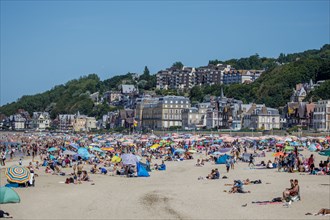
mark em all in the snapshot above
pixel 214 174
pixel 4 214
pixel 248 181
pixel 321 212
pixel 238 187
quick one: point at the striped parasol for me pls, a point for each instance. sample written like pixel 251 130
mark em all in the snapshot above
pixel 17 174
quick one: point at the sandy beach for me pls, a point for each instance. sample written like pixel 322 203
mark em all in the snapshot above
pixel 172 194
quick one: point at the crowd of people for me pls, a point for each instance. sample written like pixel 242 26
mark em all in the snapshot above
pixel 103 155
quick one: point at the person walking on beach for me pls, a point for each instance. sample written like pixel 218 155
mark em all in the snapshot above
pixel 3 158
pixel 80 168
pixel 228 164
pixel 251 160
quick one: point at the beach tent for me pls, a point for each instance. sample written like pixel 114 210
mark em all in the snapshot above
pixel 325 153
pixel 222 159
pixel 141 171
pixel 8 195
pixel 145 166
pixel 312 147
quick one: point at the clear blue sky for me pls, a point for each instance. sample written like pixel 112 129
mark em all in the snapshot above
pixel 47 43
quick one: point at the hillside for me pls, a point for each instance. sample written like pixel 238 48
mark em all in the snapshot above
pixel 273 88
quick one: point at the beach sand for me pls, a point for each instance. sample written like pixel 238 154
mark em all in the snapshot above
pixel 172 194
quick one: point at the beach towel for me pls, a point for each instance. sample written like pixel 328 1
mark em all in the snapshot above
pixel 12 185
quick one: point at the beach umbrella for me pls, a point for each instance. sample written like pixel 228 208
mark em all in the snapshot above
pixel 8 195
pixel 288 139
pixel 192 151
pixel 74 145
pixel 179 151
pixel 52 149
pixel 217 153
pixel 111 149
pixel 155 146
pixel 288 148
pixel 278 154
pixel 129 159
pixel 17 174
pixel 69 152
pixel 224 150
pixel 215 145
pixel 97 149
pixel 325 153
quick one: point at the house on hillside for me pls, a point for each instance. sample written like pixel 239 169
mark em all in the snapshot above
pixel 40 120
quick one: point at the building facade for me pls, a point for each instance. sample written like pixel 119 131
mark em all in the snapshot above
pixel 321 116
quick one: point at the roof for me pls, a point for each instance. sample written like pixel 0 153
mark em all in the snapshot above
pixel 128 88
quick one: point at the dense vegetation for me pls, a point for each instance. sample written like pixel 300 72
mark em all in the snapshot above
pixel 71 97
pixel 273 88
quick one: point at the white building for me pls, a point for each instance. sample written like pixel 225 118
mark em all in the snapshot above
pixel 321 116
pixel 17 122
pixel 41 120
pixel 90 123
pixel 262 118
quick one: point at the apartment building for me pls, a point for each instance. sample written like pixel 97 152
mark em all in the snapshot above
pixel 321 116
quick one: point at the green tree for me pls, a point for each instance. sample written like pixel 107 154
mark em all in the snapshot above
pixel 178 65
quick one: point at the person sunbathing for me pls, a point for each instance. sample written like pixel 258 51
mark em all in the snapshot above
pixel 4 214
pixel 198 164
pixel 269 164
pixel 214 174
pixel 248 181
pixel 321 212
pixel 210 176
pixel 85 176
pixel 288 193
pixel 238 187
pixel 94 169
